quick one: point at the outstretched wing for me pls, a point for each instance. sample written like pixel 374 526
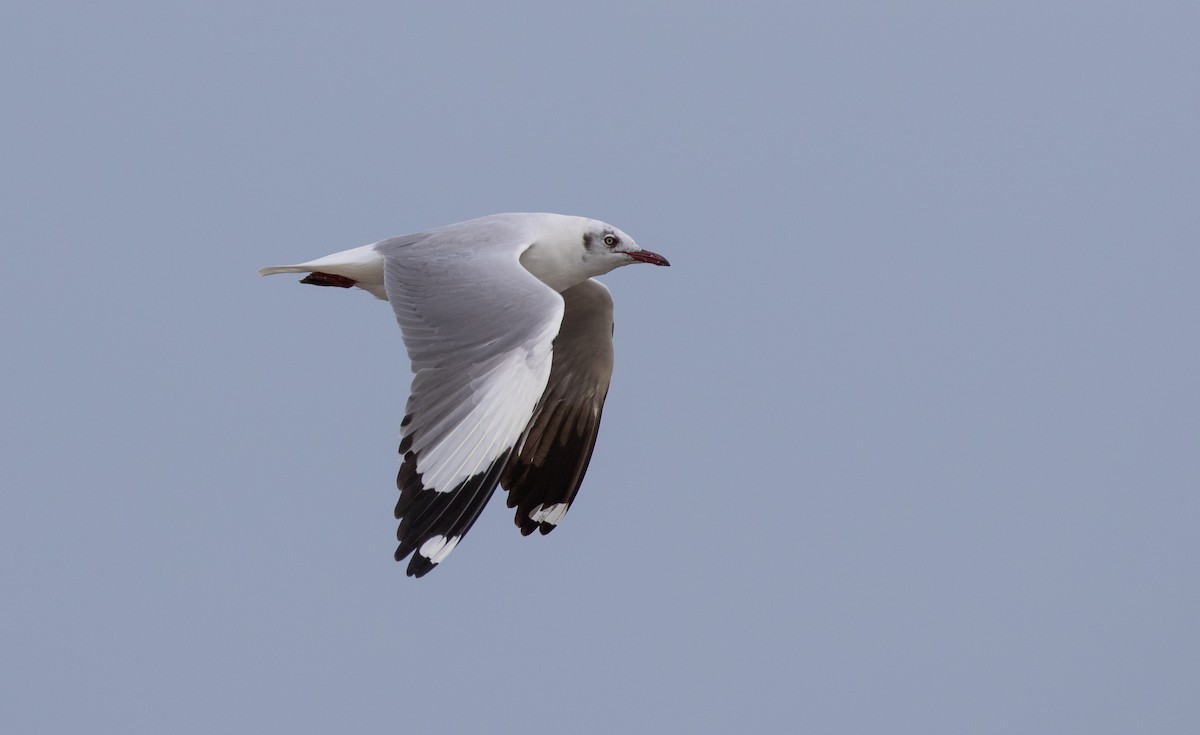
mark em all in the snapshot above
pixel 479 330
pixel 548 465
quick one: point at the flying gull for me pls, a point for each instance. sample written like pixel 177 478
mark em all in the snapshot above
pixel 510 338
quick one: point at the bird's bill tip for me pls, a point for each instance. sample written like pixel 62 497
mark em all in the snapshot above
pixel 645 256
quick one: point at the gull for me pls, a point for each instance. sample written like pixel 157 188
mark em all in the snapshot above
pixel 510 339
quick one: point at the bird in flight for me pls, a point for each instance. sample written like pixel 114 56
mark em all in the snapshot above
pixel 510 338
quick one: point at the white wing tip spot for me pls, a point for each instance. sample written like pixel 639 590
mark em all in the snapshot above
pixel 552 514
pixel 437 548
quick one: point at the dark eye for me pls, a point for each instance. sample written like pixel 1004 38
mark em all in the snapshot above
pixel 611 240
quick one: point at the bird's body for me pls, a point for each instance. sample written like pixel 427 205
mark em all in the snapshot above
pixel 510 340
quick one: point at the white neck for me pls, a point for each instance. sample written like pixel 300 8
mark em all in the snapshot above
pixel 557 256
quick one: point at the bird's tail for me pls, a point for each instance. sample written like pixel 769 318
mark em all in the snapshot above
pixel 363 266
pixel 284 269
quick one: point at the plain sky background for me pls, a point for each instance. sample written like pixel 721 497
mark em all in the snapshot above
pixel 907 440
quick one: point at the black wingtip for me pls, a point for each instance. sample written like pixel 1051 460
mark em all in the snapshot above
pixel 528 525
pixel 419 566
pixel 427 514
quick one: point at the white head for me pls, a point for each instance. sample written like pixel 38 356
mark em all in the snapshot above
pixel 605 244
pixel 569 250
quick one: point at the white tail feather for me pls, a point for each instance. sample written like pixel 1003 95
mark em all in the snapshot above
pixel 284 269
pixel 364 265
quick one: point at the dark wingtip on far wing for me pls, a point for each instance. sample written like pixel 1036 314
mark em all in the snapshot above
pixel 551 466
pixel 546 472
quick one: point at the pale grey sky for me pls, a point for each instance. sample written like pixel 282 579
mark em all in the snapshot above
pixel 905 441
